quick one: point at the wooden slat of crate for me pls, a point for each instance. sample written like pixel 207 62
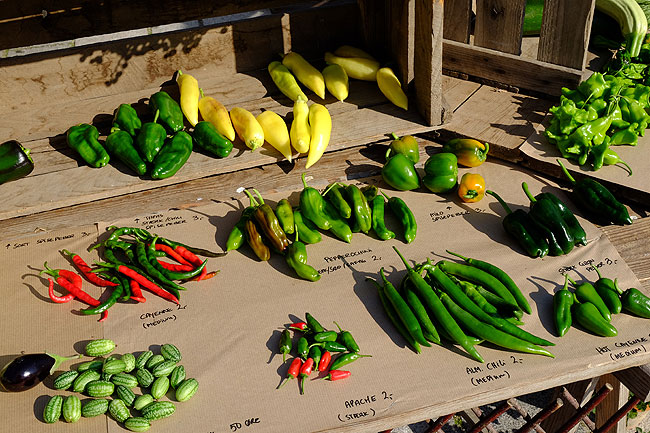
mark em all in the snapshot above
pixel 499 24
pixel 458 15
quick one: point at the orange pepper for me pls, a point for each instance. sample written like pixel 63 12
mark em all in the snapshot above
pixel 471 188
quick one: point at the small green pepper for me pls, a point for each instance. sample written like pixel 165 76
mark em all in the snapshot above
pixel 15 161
pixel 84 138
pixel 151 139
pixel 334 194
pixel 586 293
pixel 608 291
pixel 296 257
pixel 441 172
pixel 399 172
pixel 305 229
pixel 378 225
pixel 360 209
pixel 284 345
pixel 315 354
pixel 126 119
pixel 338 227
pixel 120 144
pixel 562 302
pixel 345 360
pixel 587 315
pixel 635 302
pixel 171 115
pixel 313 324
pixel 268 222
pixel 406 145
pixel 303 348
pixel 173 155
pixel 208 138
pixel 236 237
pixel 406 217
pixel 346 338
pixel 324 336
pixel 284 212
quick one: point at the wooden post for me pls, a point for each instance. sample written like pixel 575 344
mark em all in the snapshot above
pixel 428 59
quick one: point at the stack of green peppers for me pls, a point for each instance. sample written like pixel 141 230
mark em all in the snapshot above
pixel 592 305
pixel 399 170
pixel 604 110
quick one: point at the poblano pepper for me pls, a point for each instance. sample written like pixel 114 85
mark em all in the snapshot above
pixel 578 233
pixel 171 115
pixel 173 155
pixel 441 172
pixel 151 139
pixel 597 200
pixel 15 161
pixel 208 138
pixel 120 145
pixel 126 119
pixel 523 229
pixel 84 138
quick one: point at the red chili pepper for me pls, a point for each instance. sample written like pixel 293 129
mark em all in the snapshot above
pixel 58 299
pixel 176 267
pixel 337 375
pixel 298 326
pixel 87 271
pixel 136 291
pixel 144 282
pixel 72 283
pixel 325 359
pixel 305 371
pixel 104 316
pixel 206 277
pixel 193 259
pixel 171 253
pixel 293 371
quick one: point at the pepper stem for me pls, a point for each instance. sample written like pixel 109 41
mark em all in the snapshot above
pixel 458 255
pixel 201 92
pixel 259 195
pixel 58 360
pixel 304 182
pixel 597 272
pixel 67 253
pixel 403 259
pixel 155 117
pixel 49 271
pixel 384 194
pixel 566 172
pixel 566 282
pixel 284 382
pixel 471 193
pixel 337 325
pixel 500 200
pixel 573 283
pixel 532 199
pixel 394 136
pixel 379 286
pixel 253 202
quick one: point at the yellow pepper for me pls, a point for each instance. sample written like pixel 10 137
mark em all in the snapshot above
pixel 285 81
pixel 358 68
pixel 275 132
pixel 470 152
pixel 214 112
pixel 248 128
pixel 320 122
pixel 189 89
pixel 471 187
pixel 391 87
pixel 300 130
pixel 336 81
pixel 348 51
pixel 305 73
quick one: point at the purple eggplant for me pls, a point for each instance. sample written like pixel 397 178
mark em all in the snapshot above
pixel 27 371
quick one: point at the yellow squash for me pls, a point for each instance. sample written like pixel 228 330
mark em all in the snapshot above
pixel 214 112
pixel 189 89
pixel 391 87
pixel 348 51
pixel 358 68
pixel 320 122
pixel 305 73
pixel 248 128
pixel 300 130
pixel 336 81
pixel 285 81
pixel 275 132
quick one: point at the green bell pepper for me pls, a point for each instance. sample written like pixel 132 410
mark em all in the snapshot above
pixel 84 138
pixel 406 145
pixel 173 155
pixel 399 172
pixel 441 172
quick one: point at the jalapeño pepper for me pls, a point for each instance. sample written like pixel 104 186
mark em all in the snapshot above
pixel 15 161
pixel 270 226
pixel 334 195
pixel 608 291
pixel 562 302
pixel 346 338
pixel 360 209
pixel 173 155
pixel 171 115
pixel 313 324
pixel 324 336
pixel 151 139
pixel 303 348
pixel 208 138
pixel 120 144
pixel 126 119
pixel 284 346
pixel 84 139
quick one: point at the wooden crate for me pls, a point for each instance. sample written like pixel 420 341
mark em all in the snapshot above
pixel 68 76
pixel 493 50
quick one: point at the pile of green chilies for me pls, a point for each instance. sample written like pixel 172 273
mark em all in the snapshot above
pixel 464 303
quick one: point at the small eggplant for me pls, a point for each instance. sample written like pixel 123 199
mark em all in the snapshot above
pixel 26 371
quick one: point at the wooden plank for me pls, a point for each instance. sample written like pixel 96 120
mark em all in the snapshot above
pixel 428 59
pixel 614 400
pixel 564 36
pixel 508 69
pixel 499 25
pixel 636 379
pixel 457 21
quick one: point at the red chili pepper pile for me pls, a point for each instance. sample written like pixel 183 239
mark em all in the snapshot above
pixel 133 260
pixel 315 346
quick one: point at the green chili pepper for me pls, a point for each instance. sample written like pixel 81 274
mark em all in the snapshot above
pixel 428 328
pixel 346 359
pixel 284 346
pixel 406 145
pixel 315 354
pixel 392 316
pixel 255 241
pixel 268 222
pixel 490 333
pixel 399 172
pixel 338 227
pixel 608 291
pixel 635 302
pixel 173 155
pixel 303 348
pixel 143 260
pixel 284 212
pixel 171 275
pixel 126 119
pixel 324 336
pixel 370 192
pixel 501 276
pixel 562 302
pixel 378 225
pixel 346 338
pixel 120 144
pixel 597 200
pixel 505 308
pixel 333 194
pixel 84 139
pixel 578 233
pixel 331 346
pixel 237 237
pixel 405 216
pixel 15 161
pixel 611 158
pixel 433 303
pixel 314 325
pixel 523 229
pixel 470 291
pixel 362 217
pixel 108 303
pixel 312 206
pixel 208 138
pixel 126 287
pixel 587 315
pixel 441 172
pixel 585 292
pixel 305 229
pixel 151 139
pixel 296 258
pixel 171 115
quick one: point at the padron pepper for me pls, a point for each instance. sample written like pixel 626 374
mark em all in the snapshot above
pixel 441 172
pixel 469 152
pixel 151 139
pixel 15 161
pixel 399 172
pixel 597 200
pixel 608 291
pixel 523 229
pixel 84 138
pixel 208 138
pixel 562 302
pixel 362 216
pixel 170 115
pixel 587 315
pixel 586 292
pixel 405 216
pixel 406 145
pixel 284 212
pixel 471 187
pixel 120 144
pixel 173 155
pixel 126 119
pixel 268 223
pixel 334 194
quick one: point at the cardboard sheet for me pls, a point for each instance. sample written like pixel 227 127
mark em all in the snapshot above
pixel 228 327
pixel 538 148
